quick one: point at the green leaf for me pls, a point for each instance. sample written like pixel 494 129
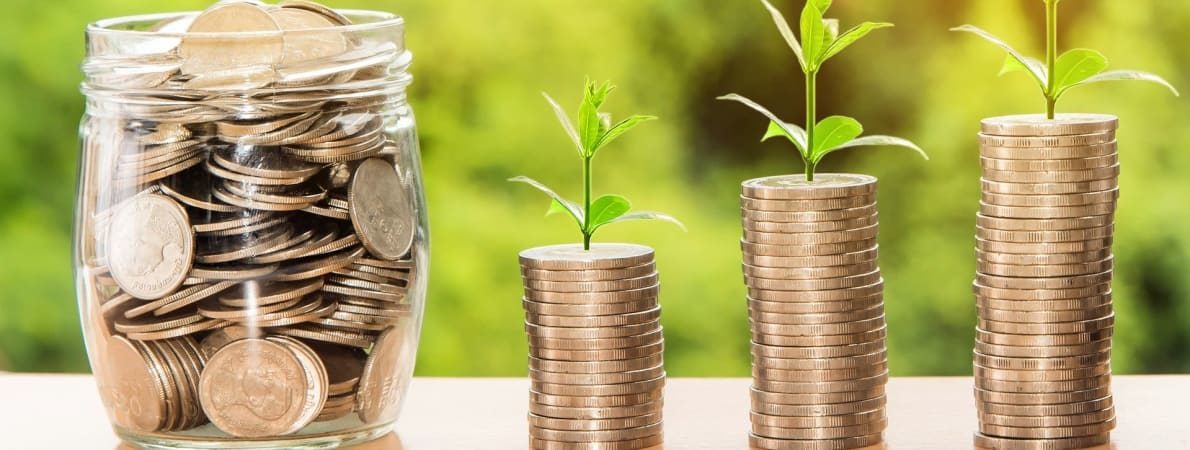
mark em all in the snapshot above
pixel 588 115
pixel 608 208
pixel 875 141
pixel 1129 75
pixel 1032 66
pixel 787 33
pixel 566 124
pixel 822 5
pixel 832 31
pixel 794 132
pixel 813 35
pixel 1076 66
pixel 573 208
pixel 832 132
pixel 851 36
pixel 618 130
pixel 648 215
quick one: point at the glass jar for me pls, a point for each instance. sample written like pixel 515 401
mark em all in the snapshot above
pixel 251 240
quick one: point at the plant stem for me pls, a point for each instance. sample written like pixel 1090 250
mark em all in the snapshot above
pixel 1051 57
pixel 811 121
pixel 587 203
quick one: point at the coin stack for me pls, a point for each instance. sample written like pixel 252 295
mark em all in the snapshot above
pixel 244 218
pixel 816 305
pixel 595 347
pixel 1043 290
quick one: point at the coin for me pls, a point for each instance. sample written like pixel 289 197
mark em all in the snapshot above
pixel 588 275
pixel 1043 339
pixel 595 321
pixel 821 387
pixel 1077 315
pixel 1041 294
pixel 151 246
pixel 820 330
pixel 1049 153
pixel 1079 281
pixel 875 426
pixel 996 187
pixel 1048 212
pixel 817 340
pixel 573 257
pixel 809 216
pixel 1054 410
pixel 134 397
pixel 846 259
pixel 1048 398
pixel 1056 270
pixel 594 401
pixel 795 187
pixel 821 284
pixel 630 444
pixel 1095 417
pixel 1069 362
pixel 1047 201
pixel 379 388
pixel 307 45
pixel 1036 375
pixel 1046 236
pixel 807 250
pixel 764 443
pixel 636 387
pixel 652 336
pixel 823 410
pixel 592 332
pixel 594 378
pixel 593 298
pixel 593 286
pixel 597 355
pixel 819 358
pixel 588 310
pixel 1042 259
pixel 595 413
pixel 1038 125
pixel 810 227
pixel 824 204
pixel 270 370
pixel 1080 384
pixel 1048 328
pixel 815 307
pixel 381 210
pixel 593 424
pixel 596 436
pixel 1076 443
pixel 818 375
pixel 1047 165
pixel 596 367
pixel 1068 176
pixel 206 53
pixel 1049 432
pixel 817 319
pixel 1028 142
pixel 759 394
pixel 823 237
pixel 1016 224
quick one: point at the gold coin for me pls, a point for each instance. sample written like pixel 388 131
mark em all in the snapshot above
pixel 1056 410
pixel 1076 315
pixel 594 298
pixel 1029 125
pixel 596 367
pixel 821 387
pixel 818 273
pixel 814 410
pixel 1075 385
pixel 996 187
pixel 816 330
pixel 824 204
pixel 652 336
pixel 844 420
pixel 1041 294
pixel 823 237
pixel 819 358
pixel 1056 270
pixel 818 375
pixel 593 424
pixel 589 310
pixel 315 372
pixel 1048 165
pixel 597 413
pixel 239 413
pixel 1069 362
pixel 1049 153
pixel 617 354
pixel 598 390
pixel 1077 443
pixel 1048 432
pixel 807 250
pixel 1044 283
pixel 1079 223
pixel 1048 201
pixel 589 275
pixel 816 319
pixel 815 307
pixel 1069 176
pixel 1094 417
pixel 381 211
pixel 865 429
pixel 811 227
pixel 151 246
pixel 797 262
pixel 1047 212
pixel 1042 306
pixel 1042 259
pixel 1041 375
pixel 1028 142
pixel 591 332
pixel 809 216
pixel 379 392
pixel 1085 326
pixel 795 187
pixel 1046 399
pixel 819 340
pixel 595 321
pixel 592 286
pixel 594 401
pixel 823 284
pixel 1043 339
pixel 202 52
pixel 1046 236
pixel 763 443
pixel 131 391
pixel 594 379
pixel 573 257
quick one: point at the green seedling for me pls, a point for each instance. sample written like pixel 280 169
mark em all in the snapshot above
pixel 595 131
pixel 1060 73
pixel 820 42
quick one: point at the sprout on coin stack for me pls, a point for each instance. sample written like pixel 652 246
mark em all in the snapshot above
pixel 1044 247
pixel 815 293
pixel 251 235
pixel 592 314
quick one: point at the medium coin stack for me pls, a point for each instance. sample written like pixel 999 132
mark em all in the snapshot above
pixel 1043 290
pixel 815 301
pixel 249 240
pixel 595 347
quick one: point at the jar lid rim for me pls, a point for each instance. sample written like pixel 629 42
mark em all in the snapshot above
pixel 378 20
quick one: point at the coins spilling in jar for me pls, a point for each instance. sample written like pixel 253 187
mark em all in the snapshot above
pixel 815 302
pixel 254 252
pixel 1043 290
pixel 595 347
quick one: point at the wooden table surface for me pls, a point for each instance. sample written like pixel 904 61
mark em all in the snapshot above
pixel 62 412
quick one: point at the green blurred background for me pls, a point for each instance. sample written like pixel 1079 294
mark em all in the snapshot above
pixel 480 68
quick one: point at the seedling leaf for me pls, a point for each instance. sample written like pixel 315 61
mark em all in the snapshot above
pixel 570 207
pixel 832 132
pixel 794 133
pixel 566 124
pixel 851 36
pixel 608 208
pixel 589 126
pixel 877 140
pixel 786 32
pixel 618 130
pixel 1032 66
pixel 1076 66
pixel 813 35
pixel 648 215
pixel 1127 75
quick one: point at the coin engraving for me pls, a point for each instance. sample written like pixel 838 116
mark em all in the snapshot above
pixel 381 210
pixel 151 246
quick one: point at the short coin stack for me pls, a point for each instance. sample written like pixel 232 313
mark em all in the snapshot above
pixel 1045 227
pixel 815 299
pixel 595 347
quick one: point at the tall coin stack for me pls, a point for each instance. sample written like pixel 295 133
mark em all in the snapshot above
pixel 1043 290
pixel 815 300
pixel 595 347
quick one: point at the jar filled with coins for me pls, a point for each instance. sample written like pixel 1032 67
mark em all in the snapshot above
pixel 250 232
